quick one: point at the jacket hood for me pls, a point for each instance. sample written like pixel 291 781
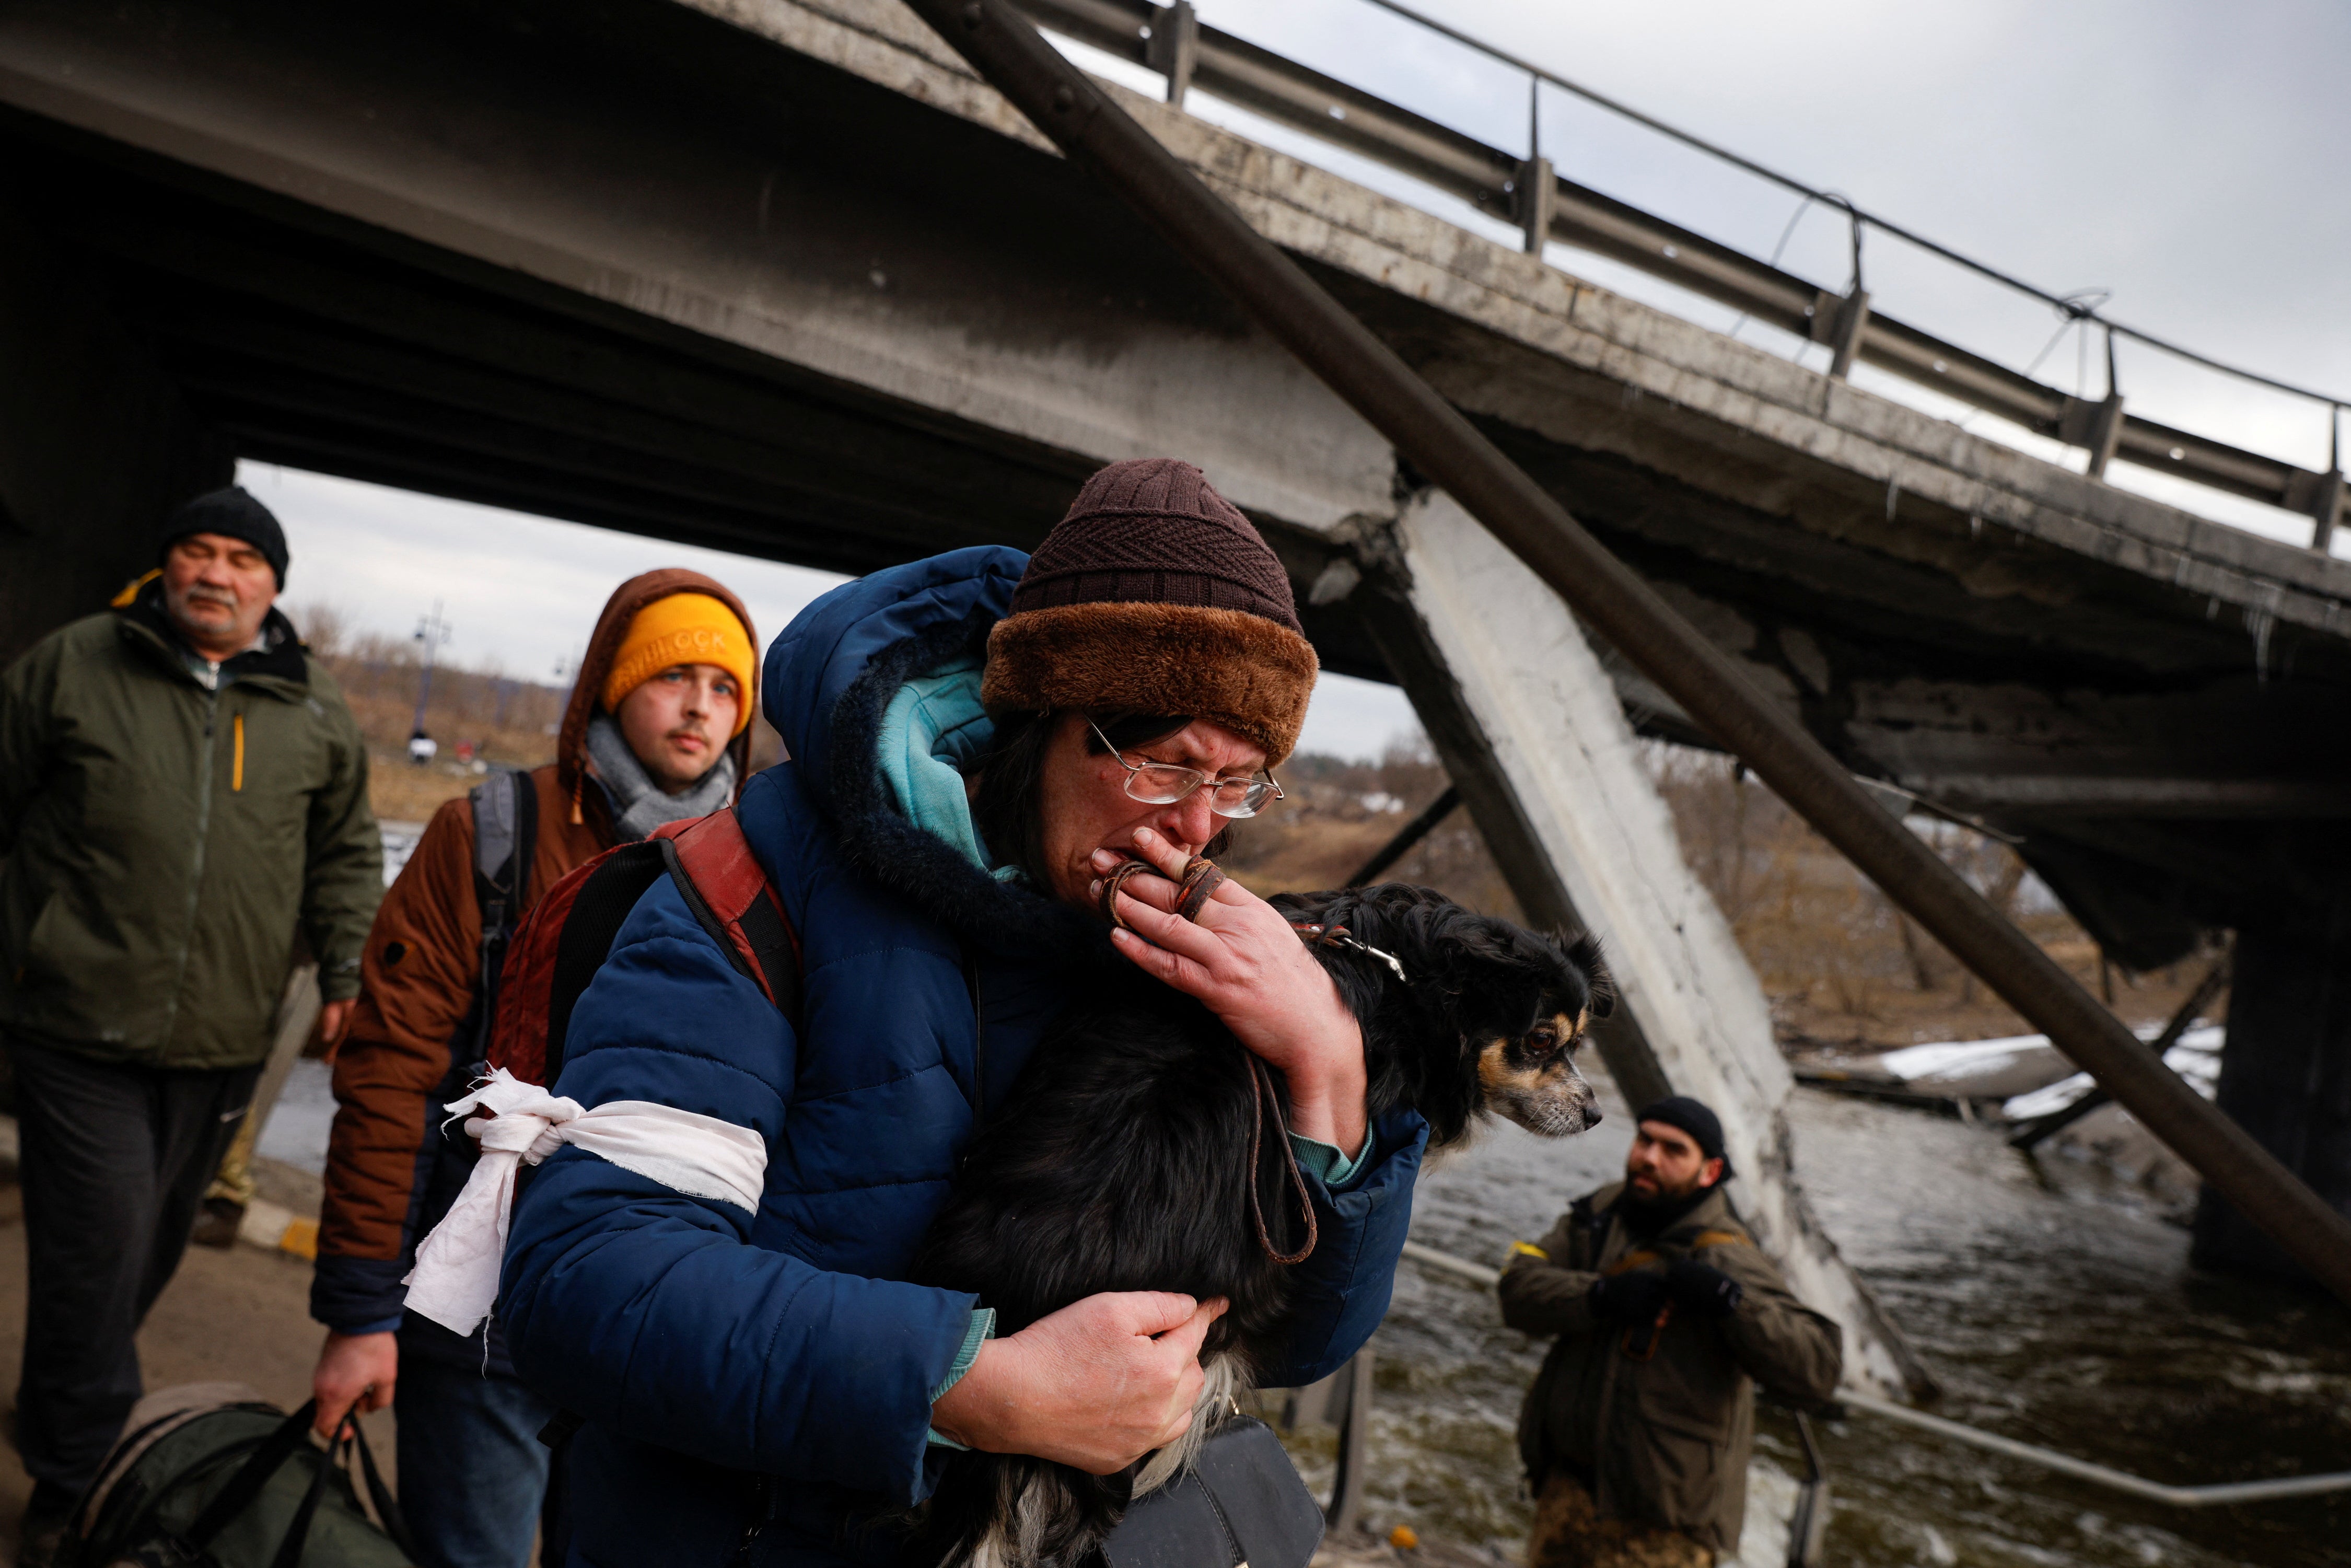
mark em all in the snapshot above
pixel 939 606
pixel 604 646
pixel 828 680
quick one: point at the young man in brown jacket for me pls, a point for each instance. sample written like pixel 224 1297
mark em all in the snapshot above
pixel 657 730
pixel 1637 1431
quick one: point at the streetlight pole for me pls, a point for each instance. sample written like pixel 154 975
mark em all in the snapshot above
pixel 431 631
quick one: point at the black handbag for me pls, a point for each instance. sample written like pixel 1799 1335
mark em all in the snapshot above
pixel 1241 1502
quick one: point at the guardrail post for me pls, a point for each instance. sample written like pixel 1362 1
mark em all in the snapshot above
pixel 2107 428
pixel 1536 198
pixel 2097 427
pixel 1174 48
pixel 2327 498
pixel 1346 1505
pixel 2326 510
pixel 2105 434
pixel 1845 331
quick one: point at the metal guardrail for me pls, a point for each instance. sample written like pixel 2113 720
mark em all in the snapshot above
pixel 1528 191
pixel 2211 1496
pixel 2100 1475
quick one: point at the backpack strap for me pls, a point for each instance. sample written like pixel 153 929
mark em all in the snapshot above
pixel 726 888
pixel 607 890
pixel 571 933
pixel 506 833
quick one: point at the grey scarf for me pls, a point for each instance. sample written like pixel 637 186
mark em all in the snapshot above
pixel 639 805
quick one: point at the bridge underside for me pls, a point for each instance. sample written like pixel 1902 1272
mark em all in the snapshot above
pixel 623 263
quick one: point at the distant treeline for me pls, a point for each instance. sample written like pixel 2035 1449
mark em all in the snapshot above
pixel 499 718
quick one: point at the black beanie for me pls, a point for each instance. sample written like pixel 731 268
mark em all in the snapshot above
pixel 235 514
pixel 1691 1117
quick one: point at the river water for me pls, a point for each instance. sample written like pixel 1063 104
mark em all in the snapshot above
pixel 2053 1310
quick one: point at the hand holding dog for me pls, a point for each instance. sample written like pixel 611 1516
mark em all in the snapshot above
pixel 1096 1385
pixel 1242 960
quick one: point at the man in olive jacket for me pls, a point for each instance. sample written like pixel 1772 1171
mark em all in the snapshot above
pixel 182 792
pixel 1637 1431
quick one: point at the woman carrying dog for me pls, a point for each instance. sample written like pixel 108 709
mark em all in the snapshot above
pixel 977 741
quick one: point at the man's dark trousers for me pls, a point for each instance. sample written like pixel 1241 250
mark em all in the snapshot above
pixel 114 1160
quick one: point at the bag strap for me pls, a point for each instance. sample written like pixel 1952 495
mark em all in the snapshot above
pixel 296 1538
pixel 387 1507
pixel 506 833
pixel 728 891
pixel 251 1477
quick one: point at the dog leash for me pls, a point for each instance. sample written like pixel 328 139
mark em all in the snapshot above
pixel 1260 1092
pixel 1199 884
pixel 1340 936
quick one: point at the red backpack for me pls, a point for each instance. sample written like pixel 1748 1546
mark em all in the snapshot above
pixel 558 947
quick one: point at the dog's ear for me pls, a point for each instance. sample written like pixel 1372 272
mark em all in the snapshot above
pixel 1583 952
pixel 1495 974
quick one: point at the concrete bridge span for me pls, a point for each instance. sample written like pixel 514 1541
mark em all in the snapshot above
pixel 781 276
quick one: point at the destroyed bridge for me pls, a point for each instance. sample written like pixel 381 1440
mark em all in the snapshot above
pixel 785 277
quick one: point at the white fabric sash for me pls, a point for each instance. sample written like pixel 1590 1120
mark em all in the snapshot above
pixel 455 1280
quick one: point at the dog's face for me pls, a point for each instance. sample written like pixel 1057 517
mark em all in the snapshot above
pixel 1525 1006
pixel 1488 1020
pixel 1529 1075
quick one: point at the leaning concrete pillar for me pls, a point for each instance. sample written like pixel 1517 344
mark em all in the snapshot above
pixel 2286 1074
pixel 1529 727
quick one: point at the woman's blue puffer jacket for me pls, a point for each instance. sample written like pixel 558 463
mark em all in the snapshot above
pixel 756 1388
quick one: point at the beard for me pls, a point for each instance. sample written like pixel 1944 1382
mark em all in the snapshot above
pixel 1648 1216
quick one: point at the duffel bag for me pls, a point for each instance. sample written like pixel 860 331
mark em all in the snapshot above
pixel 212 1476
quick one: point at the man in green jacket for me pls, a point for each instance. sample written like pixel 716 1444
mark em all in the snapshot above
pixel 182 792
pixel 1637 1431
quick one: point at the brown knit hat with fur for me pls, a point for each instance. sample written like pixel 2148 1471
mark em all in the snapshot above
pixel 1155 596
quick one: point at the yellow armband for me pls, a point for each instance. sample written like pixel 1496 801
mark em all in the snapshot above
pixel 1529 1249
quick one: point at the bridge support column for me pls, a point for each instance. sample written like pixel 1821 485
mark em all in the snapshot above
pixel 96 444
pixel 2285 1076
pixel 1530 728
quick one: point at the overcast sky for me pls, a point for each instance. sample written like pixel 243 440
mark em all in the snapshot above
pixel 2195 159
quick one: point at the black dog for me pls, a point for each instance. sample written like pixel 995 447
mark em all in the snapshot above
pixel 1142 1149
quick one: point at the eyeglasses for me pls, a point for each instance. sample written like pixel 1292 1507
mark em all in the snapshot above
pixel 1163 784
